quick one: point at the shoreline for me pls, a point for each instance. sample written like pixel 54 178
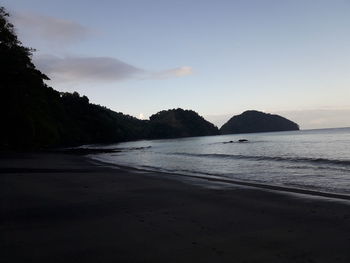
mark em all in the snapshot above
pixel 65 208
pixel 216 179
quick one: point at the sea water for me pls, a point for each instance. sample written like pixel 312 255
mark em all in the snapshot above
pixel 316 160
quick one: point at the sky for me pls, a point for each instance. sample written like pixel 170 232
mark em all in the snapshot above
pixel 218 58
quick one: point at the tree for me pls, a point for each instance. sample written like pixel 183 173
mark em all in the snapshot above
pixel 25 111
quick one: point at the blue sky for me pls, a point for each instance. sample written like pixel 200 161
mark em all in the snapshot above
pixel 218 58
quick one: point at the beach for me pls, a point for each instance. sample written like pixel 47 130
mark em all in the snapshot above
pixel 66 208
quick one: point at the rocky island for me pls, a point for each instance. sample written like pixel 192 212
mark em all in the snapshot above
pixel 256 121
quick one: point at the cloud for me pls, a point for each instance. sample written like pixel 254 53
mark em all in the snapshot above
pixel 86 68
pixel 175 72
pixel 52 30
pixel 142 116
pixel 53 34
pixel 101 69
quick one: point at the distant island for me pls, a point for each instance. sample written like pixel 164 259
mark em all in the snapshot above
pixel 257 121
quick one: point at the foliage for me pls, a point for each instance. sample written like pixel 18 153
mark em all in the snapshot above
pixel 26 112
pixel 90 123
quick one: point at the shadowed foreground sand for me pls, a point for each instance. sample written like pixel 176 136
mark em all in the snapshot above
pixel 63 208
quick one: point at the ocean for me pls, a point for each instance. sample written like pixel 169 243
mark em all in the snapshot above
pixel 317 160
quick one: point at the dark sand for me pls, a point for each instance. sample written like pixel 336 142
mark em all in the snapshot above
pixel 64 208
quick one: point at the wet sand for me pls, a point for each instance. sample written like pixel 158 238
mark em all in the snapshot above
pixel 65 208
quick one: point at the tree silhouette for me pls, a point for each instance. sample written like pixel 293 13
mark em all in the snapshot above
pixel 26 113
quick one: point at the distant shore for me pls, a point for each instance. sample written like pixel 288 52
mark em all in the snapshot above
pixel 65 208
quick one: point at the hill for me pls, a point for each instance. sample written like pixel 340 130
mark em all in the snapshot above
pixel 180 123
pixel 256 121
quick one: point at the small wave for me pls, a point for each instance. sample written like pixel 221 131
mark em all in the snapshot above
pixel 270 158
pixel 301 167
